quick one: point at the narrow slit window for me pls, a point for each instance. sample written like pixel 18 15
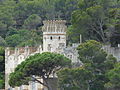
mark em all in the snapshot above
pixel 51 38
pixel 59 37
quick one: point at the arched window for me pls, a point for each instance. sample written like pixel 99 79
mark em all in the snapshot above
pixel 59 37
pixel 51 38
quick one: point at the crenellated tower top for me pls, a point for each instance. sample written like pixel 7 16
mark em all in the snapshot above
pixel 54 26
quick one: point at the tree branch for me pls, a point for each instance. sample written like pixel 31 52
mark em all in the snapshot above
pixel 39 82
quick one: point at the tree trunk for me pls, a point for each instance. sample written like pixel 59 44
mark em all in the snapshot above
pixel 48 84
pixel 45 82
pixel 49 87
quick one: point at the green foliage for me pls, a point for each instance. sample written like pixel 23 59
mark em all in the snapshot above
pixel 6 13
pixel 46 63
pixel 56 9
pixel 64 8
pixel 2 68
pixel 3 29
pixel 13 40
pixel 11 31
pixel 114 39
pixel 29 14
pixel 114 77
pixel 2 83
pixel 73 37
pixel 32 22
pixel 99 62
pixel 74 79
pixel 6 16
pixel 94 20
pixel 2 59
pixel 23 38
pixel 18 77
pixel 92 74
pixel 2 42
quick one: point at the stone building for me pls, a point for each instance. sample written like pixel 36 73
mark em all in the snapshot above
pixel 115 51
pixel 54 40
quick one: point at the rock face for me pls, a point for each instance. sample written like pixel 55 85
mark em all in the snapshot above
pixel 54 40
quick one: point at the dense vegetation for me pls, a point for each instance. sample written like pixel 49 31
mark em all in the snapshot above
pixel 114 77
pixel 27 15
pixel 21 22
pixel 96 19
pixel 2 67
pixel 96 72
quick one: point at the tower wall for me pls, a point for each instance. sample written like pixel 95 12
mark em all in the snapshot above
pixel 54 35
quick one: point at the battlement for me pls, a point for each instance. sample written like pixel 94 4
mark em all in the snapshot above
pixel 54 22
pixel 54 26
pixel 20 50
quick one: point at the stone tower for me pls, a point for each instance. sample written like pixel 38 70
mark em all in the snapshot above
pixel 54 35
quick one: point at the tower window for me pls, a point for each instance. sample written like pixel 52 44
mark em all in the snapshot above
pixel 51 38
pixel 59 37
